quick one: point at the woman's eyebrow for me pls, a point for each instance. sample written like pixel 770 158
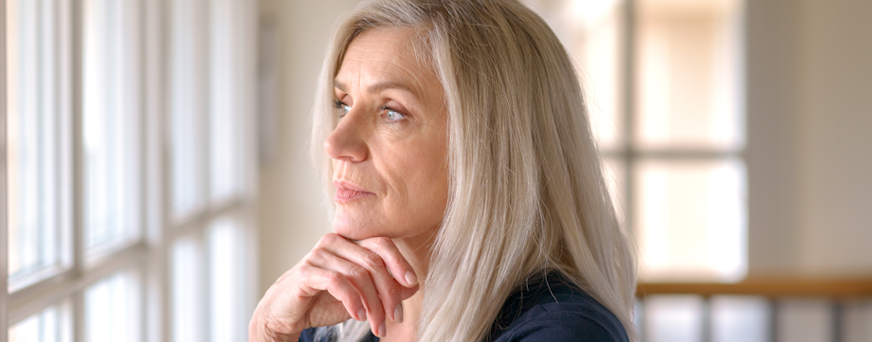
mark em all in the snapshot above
pixel 339 85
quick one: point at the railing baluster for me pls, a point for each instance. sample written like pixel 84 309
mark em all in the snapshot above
pixel 773 319
pixel 706 328
pixel 837 314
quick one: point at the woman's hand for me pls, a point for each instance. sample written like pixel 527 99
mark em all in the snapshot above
pixel 339 279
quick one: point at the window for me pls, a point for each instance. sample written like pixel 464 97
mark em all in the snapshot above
pixel 37 121
pixel 128 170
pixel 663 85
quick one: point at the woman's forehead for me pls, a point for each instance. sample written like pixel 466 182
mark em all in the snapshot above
pixel 385 58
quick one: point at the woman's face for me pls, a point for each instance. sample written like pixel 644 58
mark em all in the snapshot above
pixel 389 148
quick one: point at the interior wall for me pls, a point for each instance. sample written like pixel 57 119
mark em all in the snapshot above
pixel 810 137
pixel 772 112
pixel 293 211
pixel 836 165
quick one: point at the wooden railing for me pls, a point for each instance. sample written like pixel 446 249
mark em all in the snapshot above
pixel 783 287
pixel 835 291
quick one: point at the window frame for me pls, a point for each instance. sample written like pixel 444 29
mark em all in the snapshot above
pixel 629 154
pixel 624 150
pixel 4 258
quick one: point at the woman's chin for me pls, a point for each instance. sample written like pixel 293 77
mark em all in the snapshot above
pixel 352 231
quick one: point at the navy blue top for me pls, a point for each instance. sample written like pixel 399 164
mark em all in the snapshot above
pixel 548 309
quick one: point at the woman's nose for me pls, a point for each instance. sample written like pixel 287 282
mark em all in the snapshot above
pixel 347 141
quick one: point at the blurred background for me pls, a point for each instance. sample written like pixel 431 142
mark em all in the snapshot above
pixel 156 179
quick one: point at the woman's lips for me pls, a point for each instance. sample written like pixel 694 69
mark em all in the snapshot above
pixel 347 192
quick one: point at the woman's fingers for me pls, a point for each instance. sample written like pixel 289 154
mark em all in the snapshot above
pixel 391 257
pixel 337 280
pixel 317 279
pixel 396 262
pixel 389 291
pixel 364 282
pixel 370 277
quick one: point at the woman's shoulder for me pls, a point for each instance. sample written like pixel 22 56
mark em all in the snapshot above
pixel 551 308
pixel 546 308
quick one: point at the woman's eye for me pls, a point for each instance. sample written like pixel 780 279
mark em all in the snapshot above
pixel 341 109
pixel 393 115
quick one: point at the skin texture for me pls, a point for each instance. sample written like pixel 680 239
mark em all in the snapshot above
pixel 389 152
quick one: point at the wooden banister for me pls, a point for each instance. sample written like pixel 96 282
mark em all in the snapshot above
pixel 800 287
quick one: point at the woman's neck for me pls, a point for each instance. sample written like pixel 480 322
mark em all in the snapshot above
pixel 417 251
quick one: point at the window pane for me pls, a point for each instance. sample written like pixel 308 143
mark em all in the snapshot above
pixel 188 293
pixel 673 318
pixel 691 220
pixel 187 100
pixel 110 121
pixel 598 46
pixel 225 124
pixel 592 31
pixel 37 117
pixel 53 324
pixel 113 309
pixel 689 74
pixel 228 319
pixel 740 318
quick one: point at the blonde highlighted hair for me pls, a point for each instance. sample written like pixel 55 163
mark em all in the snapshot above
pixel 527 194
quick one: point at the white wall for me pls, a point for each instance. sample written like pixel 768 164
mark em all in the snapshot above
pixel 836 145
pixel 292 205
pixel 772 127
pixel 809 137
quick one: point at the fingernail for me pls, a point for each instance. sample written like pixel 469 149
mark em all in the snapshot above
pixel 361 315
pixel 398 314
pixel 410 278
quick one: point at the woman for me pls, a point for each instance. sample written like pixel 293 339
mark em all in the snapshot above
pixel 469 199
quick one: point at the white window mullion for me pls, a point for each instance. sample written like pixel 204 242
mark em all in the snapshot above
pixel 4 262
pixel 246 45
pixel 629 108
pixel 206 172
pixel 157 200
pixel 78 311
pixel 65 92
pixel 78 168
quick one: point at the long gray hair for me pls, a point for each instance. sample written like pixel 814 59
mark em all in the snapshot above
pixel 527 194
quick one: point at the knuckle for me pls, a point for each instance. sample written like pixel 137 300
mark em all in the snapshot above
pixel 394 292
pixel 289 274
pixel 373 260
pixel 349 297
pixel 358 272
pixel 334 279
pixel 381 241
pixel 319 254
pixel 328 239
pixel 304 272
